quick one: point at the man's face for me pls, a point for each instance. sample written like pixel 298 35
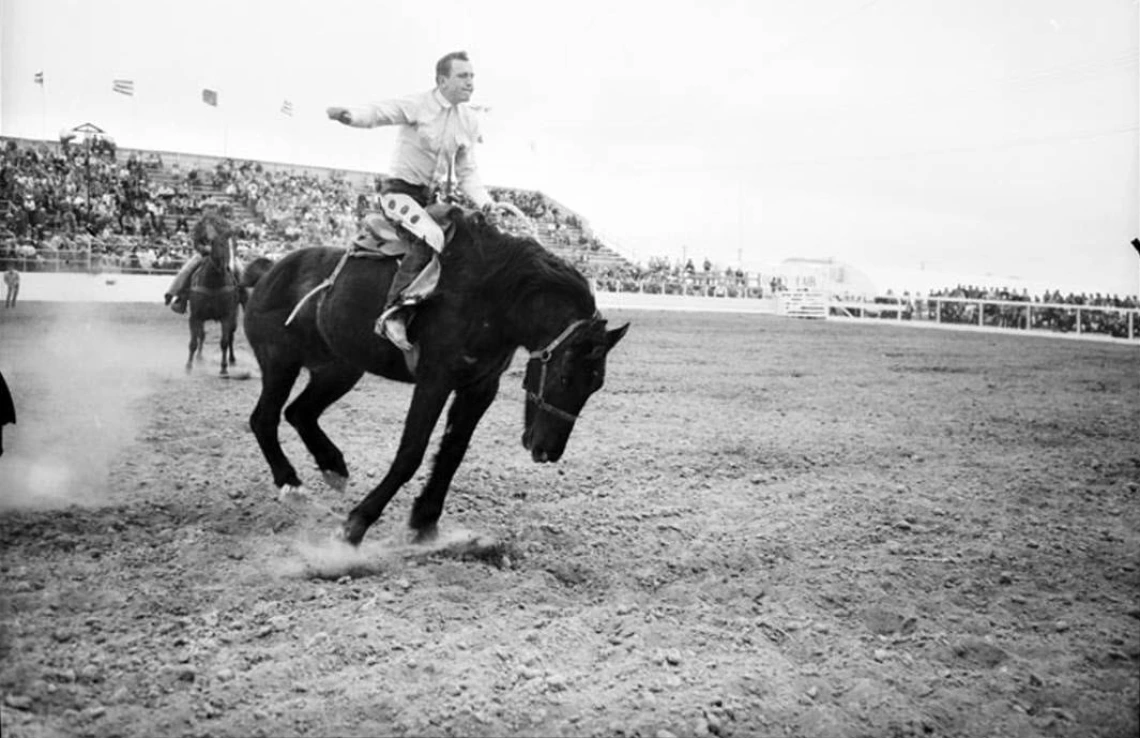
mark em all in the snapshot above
pixel 458 86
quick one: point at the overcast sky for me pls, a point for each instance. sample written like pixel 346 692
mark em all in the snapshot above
pixel 965 136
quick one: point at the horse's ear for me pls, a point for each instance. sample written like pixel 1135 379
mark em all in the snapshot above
pixel 612 337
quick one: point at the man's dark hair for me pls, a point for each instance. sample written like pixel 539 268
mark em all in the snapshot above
pixel 443 66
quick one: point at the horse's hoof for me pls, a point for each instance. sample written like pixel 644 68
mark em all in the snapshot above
pixel 337 481
pixel 353 531
pixel 425 535
pixel 339 536
pixel 291 495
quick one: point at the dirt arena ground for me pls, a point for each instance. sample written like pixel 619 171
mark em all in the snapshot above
pixel 761 527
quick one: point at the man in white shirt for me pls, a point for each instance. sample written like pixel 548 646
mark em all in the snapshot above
pixel 435 152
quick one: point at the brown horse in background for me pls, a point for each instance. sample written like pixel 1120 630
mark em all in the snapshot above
pixel 214 290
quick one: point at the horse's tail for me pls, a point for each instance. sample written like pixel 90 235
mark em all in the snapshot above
pixel 251 275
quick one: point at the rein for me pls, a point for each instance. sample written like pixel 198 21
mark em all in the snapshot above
pixel 543 356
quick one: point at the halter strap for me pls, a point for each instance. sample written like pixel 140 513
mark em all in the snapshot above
pixel 543 356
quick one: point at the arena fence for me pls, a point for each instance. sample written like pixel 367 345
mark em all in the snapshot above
pixel 1119 322
pixel 71 261
pixel 1045 318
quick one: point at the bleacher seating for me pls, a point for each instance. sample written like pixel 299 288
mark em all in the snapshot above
pixel 275 206
pixel 97 207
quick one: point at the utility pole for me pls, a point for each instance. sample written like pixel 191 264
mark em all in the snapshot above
pixel 1136 245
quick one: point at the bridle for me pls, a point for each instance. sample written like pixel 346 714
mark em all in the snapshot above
pixel 224 267
pixel 543 356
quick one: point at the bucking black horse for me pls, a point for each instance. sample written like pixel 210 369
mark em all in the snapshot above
pixel 497 292
pixel 214 290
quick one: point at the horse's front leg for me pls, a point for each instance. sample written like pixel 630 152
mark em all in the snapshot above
pixel 466 411
pixel 200 338
pixel 233 332
pixel 427 405
pixel 193 345
pixel 226 346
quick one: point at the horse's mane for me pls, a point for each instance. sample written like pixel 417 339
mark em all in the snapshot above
pixel 510 269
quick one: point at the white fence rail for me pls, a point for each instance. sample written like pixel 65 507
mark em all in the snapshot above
pixel 1119 322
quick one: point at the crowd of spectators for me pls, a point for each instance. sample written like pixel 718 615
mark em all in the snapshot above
pixel 85 207
pixel 73 189
pixel 664 277
pixel 293 208
pixel 1008 308
pixel 1051 310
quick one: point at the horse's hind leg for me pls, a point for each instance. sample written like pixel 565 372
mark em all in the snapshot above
pixel 277 378
pixel 466 410
pixel 326 385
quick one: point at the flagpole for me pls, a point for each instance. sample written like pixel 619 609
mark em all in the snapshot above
pixel 43 105
pixel 225 132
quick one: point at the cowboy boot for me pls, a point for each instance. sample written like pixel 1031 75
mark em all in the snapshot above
pixel 179 304
pixel 392 323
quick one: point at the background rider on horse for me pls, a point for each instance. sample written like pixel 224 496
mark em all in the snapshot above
pixel 179 289
pixel 435 152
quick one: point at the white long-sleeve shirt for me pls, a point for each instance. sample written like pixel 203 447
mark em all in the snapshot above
pixel 436 142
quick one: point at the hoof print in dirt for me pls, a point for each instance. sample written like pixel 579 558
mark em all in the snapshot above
pixel 977 653
pixel 570 574
pixel 887 622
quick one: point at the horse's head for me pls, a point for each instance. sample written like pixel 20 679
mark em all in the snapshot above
pixel 560 377
pixel 213 235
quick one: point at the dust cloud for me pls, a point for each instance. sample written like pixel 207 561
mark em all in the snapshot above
pixel 320 554
pixel 77 379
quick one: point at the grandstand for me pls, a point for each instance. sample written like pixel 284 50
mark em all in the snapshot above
pixel 83 204
pixel 186 183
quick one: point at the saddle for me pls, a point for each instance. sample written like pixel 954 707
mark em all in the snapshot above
pixel 386 233
pixel 388 236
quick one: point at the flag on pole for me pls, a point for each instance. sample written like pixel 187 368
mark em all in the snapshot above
pixel 210 97
pixel 124 86
pixel 287 108
pixel 39 78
